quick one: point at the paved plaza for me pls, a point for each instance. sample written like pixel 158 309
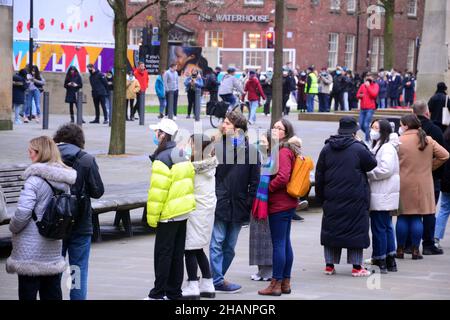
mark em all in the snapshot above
pixel 122 268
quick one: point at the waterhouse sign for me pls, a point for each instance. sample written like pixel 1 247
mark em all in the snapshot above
pixel 250 18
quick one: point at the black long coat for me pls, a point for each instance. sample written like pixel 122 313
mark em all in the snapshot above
pixel 236 182
pixel 71 92
pixel 343 189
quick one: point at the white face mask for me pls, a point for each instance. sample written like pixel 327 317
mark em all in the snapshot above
pixel 374 135
pixel 401 131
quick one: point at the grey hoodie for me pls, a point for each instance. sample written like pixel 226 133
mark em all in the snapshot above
pixel 32 254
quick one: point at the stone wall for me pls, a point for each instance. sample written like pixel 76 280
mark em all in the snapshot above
pixel 6 68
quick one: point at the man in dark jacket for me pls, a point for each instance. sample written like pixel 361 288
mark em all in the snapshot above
pixel 266 85
pixel 99 93
pixel 89 184
pixel 19 88
pixel 237 179
pixel 421 110
pixel 343 189
pixel 212 84
pixel 437 102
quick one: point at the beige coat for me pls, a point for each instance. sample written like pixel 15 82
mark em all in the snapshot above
pixel 133 87
pixel 416 180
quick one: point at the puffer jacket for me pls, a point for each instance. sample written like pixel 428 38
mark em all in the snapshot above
pixel 32 254
pixel 171 192
pixel 384 180
pixel 201 221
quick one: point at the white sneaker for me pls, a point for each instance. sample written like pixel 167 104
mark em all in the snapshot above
pixel 368 261
pixel 192 291
pixel 207 289
pixel 174 118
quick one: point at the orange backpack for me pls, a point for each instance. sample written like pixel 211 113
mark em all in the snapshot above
pixel 300 183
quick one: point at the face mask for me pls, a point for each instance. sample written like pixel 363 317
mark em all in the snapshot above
pixel 155 138
pixel 188 151
pixel 236 141
pixel 401 131
pixel 374 135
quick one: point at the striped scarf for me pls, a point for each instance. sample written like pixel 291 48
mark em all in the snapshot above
pixel 260 209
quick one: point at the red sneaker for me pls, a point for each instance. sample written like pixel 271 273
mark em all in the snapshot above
pixel 363 272
pixel 329 271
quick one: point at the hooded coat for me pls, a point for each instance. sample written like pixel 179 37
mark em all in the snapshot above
pixel 254 89
pixel 342 188
pixel 32 254
pixel 200 222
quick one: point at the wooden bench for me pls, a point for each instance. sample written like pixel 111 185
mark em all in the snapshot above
pixel 11 183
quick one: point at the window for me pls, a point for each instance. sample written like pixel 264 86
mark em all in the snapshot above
pixel 135 36
pixel 335 5
pixel 253 40
pixel 411 55
pixel 214 39
pixel 333 46
pixel 254 2
pixel 377 54
pixel 349 51
pixel 412 8
pixel 351 6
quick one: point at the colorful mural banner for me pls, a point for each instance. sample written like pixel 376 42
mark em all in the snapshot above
pixel 59 57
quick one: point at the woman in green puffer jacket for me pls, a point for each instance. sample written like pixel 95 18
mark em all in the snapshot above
pixel 170 200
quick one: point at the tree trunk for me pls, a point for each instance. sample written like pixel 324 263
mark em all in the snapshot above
pixel 277 85
pixel 164 32
pixel 389 49
pixel 117 140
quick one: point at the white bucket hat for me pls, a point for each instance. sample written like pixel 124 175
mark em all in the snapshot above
pixel 166 125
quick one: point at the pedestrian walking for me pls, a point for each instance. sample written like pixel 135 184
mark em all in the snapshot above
pixel 170 200
pixel 237 178
pixel 282 207
pixel 73 83
pixel 35 86
pixel 99 93
pixel 133 89
pixel 343 190
pixel 192 84
pixel 161 93
pixel 171 85
pixel 19 89
pixel 70 141
pixel 201 221
pixel 444 209
pixel 254 93
pixel 419 156
pixel 212 84
pixel 37 260
pixel 384 183
pixel 142 76
pixel 437 102
pixel 367 93
pixel 266 85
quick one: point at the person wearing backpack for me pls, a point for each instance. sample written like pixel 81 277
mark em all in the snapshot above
pixel 37 260
pixel 70 141
pixel 281 206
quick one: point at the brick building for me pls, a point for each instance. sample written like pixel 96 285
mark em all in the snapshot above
pixel 319 32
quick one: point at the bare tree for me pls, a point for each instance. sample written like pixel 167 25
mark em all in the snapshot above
pixel 121 20
pixel 389 49
pixel 277 95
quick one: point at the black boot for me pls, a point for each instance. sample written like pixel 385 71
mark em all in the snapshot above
pixel 381 263
pixel 72 119
pixel 391 264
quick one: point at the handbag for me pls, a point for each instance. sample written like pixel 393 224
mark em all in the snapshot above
pixel 446 113
pixel 292 102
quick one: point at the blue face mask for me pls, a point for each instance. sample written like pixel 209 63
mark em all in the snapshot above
pixel 155 138
pixel 338 73
pixel 236 141
pixel 188 151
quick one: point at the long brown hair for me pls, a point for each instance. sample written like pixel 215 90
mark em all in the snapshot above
pixel 412 122
pixel 46 149
pixel 201 150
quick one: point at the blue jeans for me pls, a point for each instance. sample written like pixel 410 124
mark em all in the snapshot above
pixel 253 106
pixel 221 251
pixel 18 109
pixel 78 247
pixel 344 101
pixel 382 103
pixel 310 102
pixel 409 225
pixel 442 216
pixel 162 104
pixel 30 97
pixel 230 98
pixel 383 237
pixel 283 256
pixel 324 102
pixel 365 118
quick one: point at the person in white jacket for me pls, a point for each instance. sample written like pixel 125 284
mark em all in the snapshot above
pixel 384 183
pixel 201 221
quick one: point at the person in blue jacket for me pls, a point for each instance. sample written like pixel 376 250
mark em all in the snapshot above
pixel 161 93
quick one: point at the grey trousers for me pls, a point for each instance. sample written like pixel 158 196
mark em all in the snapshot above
pixel 333 255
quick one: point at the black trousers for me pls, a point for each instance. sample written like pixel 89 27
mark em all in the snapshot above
pixel 168 256
pixel 175 102
pixel 196 258
pixel 101 100
pixel 48 287
pixel 71 104
pixel 286 109
pixel 267 105
pixel 131 102
pixel 191 101
pixel 213 96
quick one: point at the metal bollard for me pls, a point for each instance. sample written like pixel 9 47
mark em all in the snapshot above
pixel 142 109
pixel 170 101
pixel 45 111
pixel 198 103
pixel 80 108
pixel 110 111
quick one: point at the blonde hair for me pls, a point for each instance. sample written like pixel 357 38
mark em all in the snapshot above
pixel 46 149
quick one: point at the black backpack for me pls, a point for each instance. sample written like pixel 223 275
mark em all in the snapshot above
pixel 57 221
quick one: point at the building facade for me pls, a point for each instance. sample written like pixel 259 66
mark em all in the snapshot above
pixel 323 33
